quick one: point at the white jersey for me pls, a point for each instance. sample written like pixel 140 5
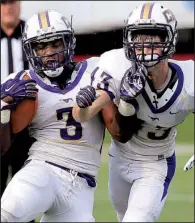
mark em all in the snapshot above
pixel 160 112
pixel 60 139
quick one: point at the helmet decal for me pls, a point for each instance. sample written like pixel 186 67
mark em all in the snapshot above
pixel 43 18
pixel 146 11
pixel 169 16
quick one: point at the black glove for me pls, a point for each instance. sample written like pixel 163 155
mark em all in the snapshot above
pixel 86 96
pixel 133 82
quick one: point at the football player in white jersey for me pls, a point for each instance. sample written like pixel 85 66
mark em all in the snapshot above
pixel 145 84
pixel 58 179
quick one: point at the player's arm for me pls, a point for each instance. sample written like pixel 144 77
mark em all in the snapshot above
pixel 5 126
pixel 89 103
pixel 120 127
pixel 5 138
pixel 92 98
pixel 122 122
pixel 13 91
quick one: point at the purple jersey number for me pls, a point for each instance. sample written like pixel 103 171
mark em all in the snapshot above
pixel 70 122
pixel 104 83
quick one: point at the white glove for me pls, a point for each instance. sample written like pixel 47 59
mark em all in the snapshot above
pixel 189 164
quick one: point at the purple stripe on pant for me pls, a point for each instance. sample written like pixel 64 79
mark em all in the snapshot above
pixel 171 166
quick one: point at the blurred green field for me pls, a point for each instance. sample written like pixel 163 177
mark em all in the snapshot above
pixel 180 202
pixel 186 131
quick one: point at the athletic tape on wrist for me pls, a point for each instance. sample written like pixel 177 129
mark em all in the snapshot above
pixel 3 104
pixel 5 114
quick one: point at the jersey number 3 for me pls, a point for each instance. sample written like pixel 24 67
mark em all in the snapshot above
pixel 73 129
pixel 165 133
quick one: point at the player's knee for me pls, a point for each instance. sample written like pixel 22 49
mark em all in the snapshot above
pixel 137 215
pixel 7 217
pixel 84 217
pixel 3 217
pixel 130 217
pixel 67 218
pixel 120 216
pixel 88 218
pixel 13 209
pixel 119 206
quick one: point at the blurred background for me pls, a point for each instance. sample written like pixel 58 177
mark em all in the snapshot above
pixel 98 24
pixel 98 27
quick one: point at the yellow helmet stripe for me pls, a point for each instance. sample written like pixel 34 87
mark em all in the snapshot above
pixel 43 18
pixel 146 11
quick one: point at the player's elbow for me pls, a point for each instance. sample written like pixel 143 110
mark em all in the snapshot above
pixel 4 148
pixel 5 138
pixel 122 138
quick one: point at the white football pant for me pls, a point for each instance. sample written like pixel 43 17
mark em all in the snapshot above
pixel 138 189
pixel 40 188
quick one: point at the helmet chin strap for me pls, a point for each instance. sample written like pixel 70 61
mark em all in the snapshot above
pixel 54 73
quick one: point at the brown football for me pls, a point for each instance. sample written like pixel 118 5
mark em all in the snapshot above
pixel 24 112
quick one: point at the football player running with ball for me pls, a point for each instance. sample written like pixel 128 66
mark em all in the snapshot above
pixel 58 179
pixel 143 82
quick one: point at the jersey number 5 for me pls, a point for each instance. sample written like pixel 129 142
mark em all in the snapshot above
pixel 72 129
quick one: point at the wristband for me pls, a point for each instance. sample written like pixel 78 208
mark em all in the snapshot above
pixel 5 114
pixel 3 104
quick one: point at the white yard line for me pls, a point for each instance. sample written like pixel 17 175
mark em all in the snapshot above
pixel 184 149
pixel 181 197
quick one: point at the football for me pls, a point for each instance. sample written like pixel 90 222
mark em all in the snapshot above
pixel 24 113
